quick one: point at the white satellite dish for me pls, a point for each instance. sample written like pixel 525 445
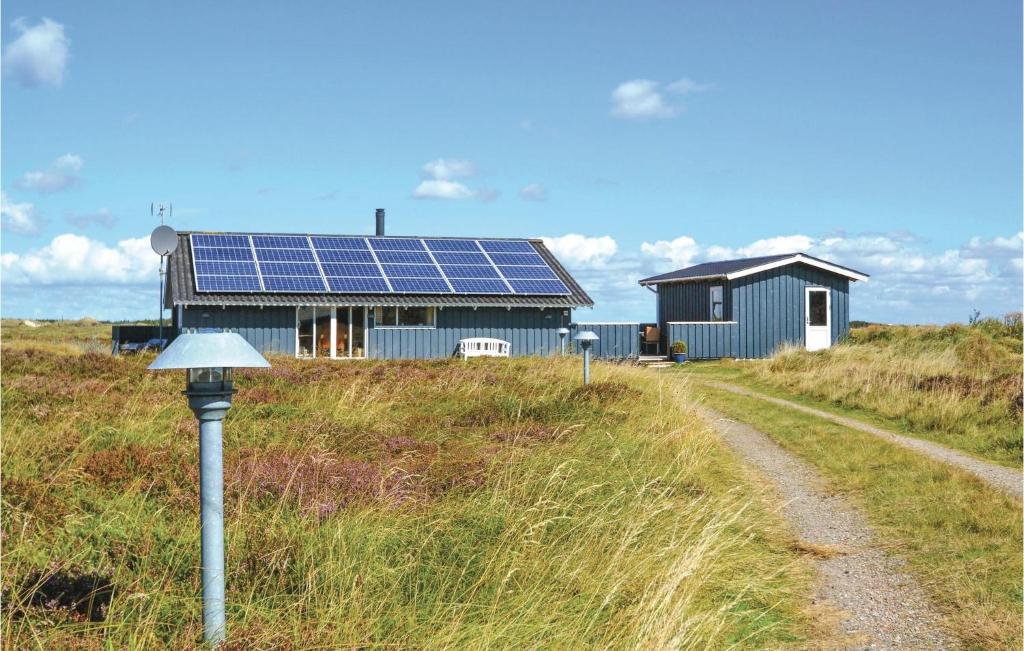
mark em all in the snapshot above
pixel 164 240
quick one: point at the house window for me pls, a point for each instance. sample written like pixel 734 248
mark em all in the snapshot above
pixel 405 317
pixel 717 309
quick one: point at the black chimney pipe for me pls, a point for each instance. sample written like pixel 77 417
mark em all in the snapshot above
pixel 380 222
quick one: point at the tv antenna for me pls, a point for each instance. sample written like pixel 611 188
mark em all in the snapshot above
pixel 164 241
pixel 161 210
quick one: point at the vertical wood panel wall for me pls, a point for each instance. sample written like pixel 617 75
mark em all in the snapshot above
pixel 617 340
pixel 705 340
pixel 270 330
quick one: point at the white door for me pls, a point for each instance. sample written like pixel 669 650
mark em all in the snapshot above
pixel 818 318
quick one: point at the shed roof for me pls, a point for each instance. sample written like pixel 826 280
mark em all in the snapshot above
pixel 732 269
pixel 182 288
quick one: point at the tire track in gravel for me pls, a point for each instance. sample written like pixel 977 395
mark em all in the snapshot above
pixel 1002 478
pixel 880 604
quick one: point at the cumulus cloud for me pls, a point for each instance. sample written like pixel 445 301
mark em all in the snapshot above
pixel 19 218
pixel 534 192
pixel 439 181
pixel 102 217
pixel 38 56
pixel 449 168
pixel 72 260
pixel 441 189
pixel 646 98
pixel 61 175
pixel 581 251
pixel 683 251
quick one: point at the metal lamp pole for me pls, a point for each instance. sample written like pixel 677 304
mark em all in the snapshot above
pixel 586 339
pixel 209 358
pixel 562 332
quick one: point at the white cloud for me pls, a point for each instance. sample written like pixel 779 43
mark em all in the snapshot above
pixel 683 251
pixel 441 189
pixel 440 181
pixel 19 218
pixel 75 260
pixel 449 168
pixel 38 56
pixel 582 251
pixel 102 217
pixel 534 192
pixel 63 174
pixel 645 98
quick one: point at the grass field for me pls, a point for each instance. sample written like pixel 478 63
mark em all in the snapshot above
pixel 435 504
pixel 957 385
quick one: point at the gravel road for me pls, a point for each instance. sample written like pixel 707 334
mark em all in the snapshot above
pixel 880 604
pixel 1002 478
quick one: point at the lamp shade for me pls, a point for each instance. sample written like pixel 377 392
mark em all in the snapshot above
pixel 586 335
pixel 563 331
pixel 209 349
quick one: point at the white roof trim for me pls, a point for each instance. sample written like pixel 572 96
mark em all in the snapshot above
pixel 646 283
pixel 852 275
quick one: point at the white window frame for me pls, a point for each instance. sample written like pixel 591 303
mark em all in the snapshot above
pixel 333 330
pixel 711 303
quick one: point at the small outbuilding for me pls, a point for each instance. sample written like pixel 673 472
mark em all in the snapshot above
pixel 748 308
pixel 371 296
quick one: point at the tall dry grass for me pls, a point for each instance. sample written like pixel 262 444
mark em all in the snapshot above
pixel 435 504
pixel 959 384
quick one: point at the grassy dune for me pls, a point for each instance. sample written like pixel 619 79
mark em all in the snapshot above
pixel 958 385
pixel 432 504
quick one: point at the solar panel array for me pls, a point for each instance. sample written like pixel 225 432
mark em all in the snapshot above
pixel 370 265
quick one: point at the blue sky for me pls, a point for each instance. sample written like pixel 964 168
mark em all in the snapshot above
pixel 639 138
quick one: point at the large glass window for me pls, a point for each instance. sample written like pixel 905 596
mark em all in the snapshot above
pixel 306 317
pixel 409 317
pixel 717 307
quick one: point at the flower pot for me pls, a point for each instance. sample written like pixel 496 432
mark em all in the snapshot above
pixel 679 358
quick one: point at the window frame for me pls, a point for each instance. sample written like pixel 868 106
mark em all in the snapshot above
pixel 712 302
pixel 397 325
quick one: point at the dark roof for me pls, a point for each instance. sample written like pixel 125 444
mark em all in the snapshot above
pixel 182 288
pixel 723 268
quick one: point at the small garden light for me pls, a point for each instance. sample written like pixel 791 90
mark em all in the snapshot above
pixel 562 332
pixel 586 339
pixel 208 358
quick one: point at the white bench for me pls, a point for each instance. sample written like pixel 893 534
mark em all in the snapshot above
pixel 483 347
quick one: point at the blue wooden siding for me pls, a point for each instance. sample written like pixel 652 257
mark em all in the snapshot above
pixel 691 301
pixel 270 330
pixel 705 340
pixel 617 340
pixel 768 308
pixel 531 331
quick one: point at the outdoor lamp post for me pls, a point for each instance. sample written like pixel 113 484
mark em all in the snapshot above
pixel 562 332
pixel 586 339
pixel 208 359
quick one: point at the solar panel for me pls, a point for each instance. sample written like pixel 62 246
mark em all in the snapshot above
pixel 201 239
pixel 347 285
pixel 346 269
pixel 334 255
pixel 285 255
pixel 462 258
pixel 404 257
pixel 527 272
pixel 479 286
pixel 206 253
pixel 287 263
pixel 521 286
pixel 451 245
pixel 411 271
pixel 294 284
pixel 469 271
pixel 507 246
pixel 228 284
pixel 420 285
pixel 395 244
pixel 320 242
pixel 280 242
pixel 517 259
pixel 213 268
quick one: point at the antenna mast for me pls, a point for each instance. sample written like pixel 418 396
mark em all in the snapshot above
pixel 163 240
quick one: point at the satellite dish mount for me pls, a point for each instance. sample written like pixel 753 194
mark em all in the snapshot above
pixel 164 241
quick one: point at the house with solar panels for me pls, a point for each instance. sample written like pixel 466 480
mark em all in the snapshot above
pixel 750 307
pixel 382 297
